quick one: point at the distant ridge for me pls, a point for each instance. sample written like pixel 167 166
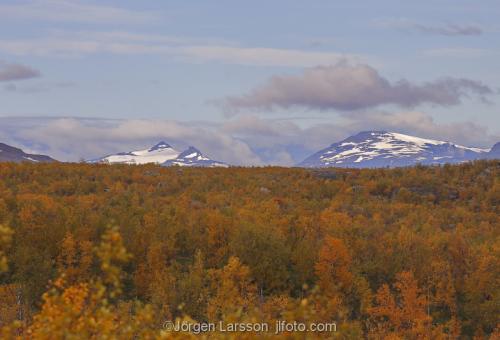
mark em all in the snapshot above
pixel 11 154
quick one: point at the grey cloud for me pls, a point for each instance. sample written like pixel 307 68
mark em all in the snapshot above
pixel 450 29
pixel 12 72
pixel 38 87
pixel 473 53
pixel 345 87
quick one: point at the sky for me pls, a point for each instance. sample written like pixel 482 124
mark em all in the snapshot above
pixel 246 82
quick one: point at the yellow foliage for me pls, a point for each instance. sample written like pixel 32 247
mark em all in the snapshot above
pixel 5 239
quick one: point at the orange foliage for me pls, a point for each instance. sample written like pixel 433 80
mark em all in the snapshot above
pixel 407 253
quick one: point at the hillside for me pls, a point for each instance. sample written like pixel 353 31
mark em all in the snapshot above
pixel 11 154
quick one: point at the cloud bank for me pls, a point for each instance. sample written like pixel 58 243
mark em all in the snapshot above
pixel 75 138
pixel 346 87
pixel 243 140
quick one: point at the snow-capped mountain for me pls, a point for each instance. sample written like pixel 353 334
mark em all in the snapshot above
pixel 158 154
pixel 372 149
pixel 193 157
pixel 11 154
pixel 161 153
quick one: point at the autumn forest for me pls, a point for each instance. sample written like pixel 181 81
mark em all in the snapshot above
pixel 114 251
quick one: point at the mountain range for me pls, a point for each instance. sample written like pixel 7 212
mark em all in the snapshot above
pixel 374 149
pixel 368 149
pixel 163 154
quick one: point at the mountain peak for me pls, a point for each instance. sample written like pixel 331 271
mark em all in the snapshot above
pixel 160 146
pixel 193 157
pixel 495 151
pixel 190 153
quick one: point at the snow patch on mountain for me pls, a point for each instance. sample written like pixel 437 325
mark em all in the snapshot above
pixel 158 154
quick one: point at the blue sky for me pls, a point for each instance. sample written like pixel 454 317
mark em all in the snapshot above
pixel 249 82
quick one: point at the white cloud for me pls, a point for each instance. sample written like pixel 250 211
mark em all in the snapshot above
pixel 74 44
pixel 73 11
pixel 263 56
